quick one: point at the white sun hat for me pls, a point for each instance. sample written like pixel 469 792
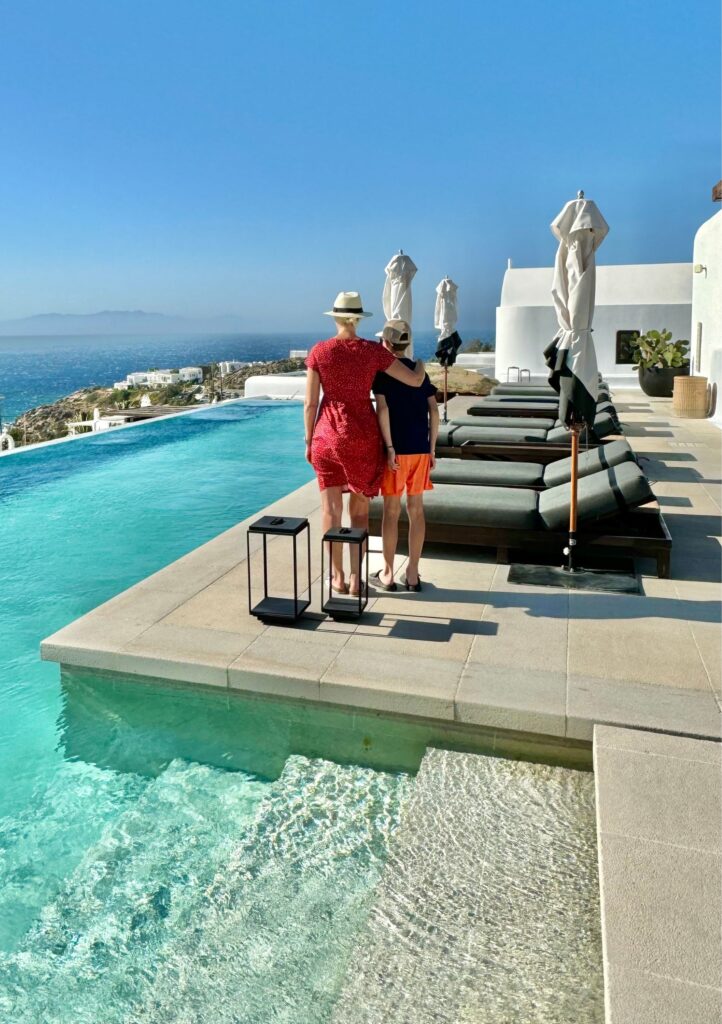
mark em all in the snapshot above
pixel 347 304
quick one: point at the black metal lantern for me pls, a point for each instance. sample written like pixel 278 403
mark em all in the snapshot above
pixel 279 609
pixel 346 606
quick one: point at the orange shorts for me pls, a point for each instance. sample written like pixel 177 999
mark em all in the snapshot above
pixel 412 476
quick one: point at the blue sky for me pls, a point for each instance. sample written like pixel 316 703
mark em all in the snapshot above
pixel 254 158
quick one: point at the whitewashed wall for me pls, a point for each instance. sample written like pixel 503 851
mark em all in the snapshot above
pixel 276 385
pixel 707 303
pixel 629 297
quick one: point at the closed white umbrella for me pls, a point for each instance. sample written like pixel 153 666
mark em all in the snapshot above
pixel 396 299
pixel 446 314
pixel 571 358
pixel 445 318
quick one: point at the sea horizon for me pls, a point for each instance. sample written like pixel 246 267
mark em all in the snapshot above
pixel 40 369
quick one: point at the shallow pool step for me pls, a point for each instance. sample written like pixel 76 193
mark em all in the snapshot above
pixel 487 909
pixel 280 921
pixel 213 891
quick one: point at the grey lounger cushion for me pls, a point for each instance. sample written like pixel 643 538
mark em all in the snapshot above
pixel 445 435
pixel 551 399
pixel 604 425
pixel 477 472
pixel 598 495
pixel 488 409
pixel 518 422
pixel 523 389
pixel 482 506
pixel 591 461
pixel 533 389
pixel 454 434
pixel 496 435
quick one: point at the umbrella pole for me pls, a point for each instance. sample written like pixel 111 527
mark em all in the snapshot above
pixel 573 503
pixel 446 393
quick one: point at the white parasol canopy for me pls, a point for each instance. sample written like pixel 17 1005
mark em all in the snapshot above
pixel 445 311
pixel 397 289
pixel 581 229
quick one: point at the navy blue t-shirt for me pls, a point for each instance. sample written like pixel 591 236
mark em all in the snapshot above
pixel 408 411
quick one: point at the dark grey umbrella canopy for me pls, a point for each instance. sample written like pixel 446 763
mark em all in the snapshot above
pixel 447 349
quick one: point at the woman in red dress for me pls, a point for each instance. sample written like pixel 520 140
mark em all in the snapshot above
pixel 343 441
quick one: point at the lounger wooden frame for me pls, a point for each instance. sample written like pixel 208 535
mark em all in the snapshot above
pixel 640 532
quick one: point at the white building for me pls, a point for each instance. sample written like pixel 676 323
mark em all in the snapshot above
pixel 162 378
pixel 629 298
pixel 230 365
pixel 191 374
pixel 138 379
pixel 707 303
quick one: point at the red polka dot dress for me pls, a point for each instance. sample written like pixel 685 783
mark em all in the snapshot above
pixel 347 449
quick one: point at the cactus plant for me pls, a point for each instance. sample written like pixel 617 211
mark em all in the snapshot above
pixel 656 350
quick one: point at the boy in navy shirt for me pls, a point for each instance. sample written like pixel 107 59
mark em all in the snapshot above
pixel 409 422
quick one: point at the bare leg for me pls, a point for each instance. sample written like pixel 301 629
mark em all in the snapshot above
pixel 417 532
pixel 390 536
pixel 331 513
pixel 359 514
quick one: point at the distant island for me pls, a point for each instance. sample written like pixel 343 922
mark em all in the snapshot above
pixel 118 321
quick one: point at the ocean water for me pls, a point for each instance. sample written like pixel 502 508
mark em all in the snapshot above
pixel 36 370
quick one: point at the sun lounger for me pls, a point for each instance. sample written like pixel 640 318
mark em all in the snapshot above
pixel 525 410
pixel 456 435
pixel 610 519
pixel 542 390
pixel 479 472
pixel 513 444
pixel 516 422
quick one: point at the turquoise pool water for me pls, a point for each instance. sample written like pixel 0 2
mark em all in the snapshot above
pixel 111 857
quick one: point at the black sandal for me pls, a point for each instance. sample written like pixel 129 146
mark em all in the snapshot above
pixel 415 588
pixel 378 582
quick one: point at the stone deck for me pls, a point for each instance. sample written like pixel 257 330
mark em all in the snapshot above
pixel 471 648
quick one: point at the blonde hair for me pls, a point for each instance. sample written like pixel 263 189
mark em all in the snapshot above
pixel 348 321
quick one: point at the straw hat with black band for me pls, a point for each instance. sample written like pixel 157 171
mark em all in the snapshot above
pixel 346 306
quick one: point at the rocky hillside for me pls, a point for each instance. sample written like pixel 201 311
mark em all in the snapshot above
pixel 46 422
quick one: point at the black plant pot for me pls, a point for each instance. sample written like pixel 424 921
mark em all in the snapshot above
pixel 659 383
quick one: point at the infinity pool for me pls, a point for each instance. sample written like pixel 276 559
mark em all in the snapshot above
pixel 168 856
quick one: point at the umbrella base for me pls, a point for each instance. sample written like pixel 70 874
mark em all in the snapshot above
pixel 578 579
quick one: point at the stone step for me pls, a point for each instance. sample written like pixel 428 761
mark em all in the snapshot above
pixel 488 908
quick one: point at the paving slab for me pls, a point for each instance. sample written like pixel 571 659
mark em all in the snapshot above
pixel 592 699
pixel 659 801
pixel 502 697
pixel 638 997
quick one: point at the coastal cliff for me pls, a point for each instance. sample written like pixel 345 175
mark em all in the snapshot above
pixel 47 422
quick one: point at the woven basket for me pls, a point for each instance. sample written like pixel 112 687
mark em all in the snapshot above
pixel 690 398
